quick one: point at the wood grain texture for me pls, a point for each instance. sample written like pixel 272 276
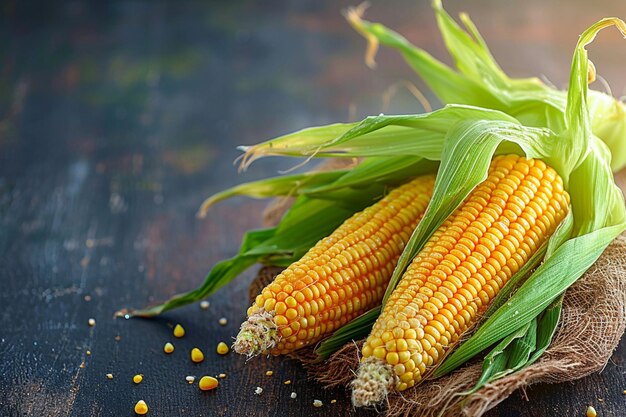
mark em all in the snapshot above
pixel 118 118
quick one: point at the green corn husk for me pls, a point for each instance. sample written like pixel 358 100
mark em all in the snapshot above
pixel 478 80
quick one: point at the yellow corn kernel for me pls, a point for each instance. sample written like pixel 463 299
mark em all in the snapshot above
pixel 591 412
pixel 208 383
pixel 109 376
pixel 341 277
pixel 141 408
pixel 459 271
pixel 222 348
pixel 179 331
pixel 196 355
pixel 269 373
pixel 168 348
pixel 137 379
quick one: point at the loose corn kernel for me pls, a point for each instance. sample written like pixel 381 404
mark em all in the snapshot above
pixel 269 373
pixel 91 322
pixel 196 355
pixel 168 348
pixel 179 331
pixel 190 379
pixel 137 378
pixel 88 353
pixel 333 401
pixel 222 375
pixel 317 403
pixel 223 321
pixel 141 408
pixel 287 382
pixel 591 412
pixel 208 383
pixel 341 277
pixel 222 348
pixel 294 395
pixel 258 390
pixel 204 304
pixel 458 272
pixel 110 376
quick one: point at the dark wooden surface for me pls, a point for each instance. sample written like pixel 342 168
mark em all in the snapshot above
pixel 118 118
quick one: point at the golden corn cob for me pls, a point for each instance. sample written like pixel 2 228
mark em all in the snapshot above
pixel 341 277
pixel 451 282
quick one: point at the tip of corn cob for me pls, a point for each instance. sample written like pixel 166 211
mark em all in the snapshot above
pixel 258 334
pixel 375 380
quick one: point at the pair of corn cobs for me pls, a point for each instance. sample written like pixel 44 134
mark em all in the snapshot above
pixel 448 285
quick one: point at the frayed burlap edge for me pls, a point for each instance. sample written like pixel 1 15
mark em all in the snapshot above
pixel 592 322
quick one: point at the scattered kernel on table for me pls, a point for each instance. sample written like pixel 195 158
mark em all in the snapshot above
pixel 208 383
pixel 168 348
pixel 141 407
pixel 222 348
pixel 196 355
pixel 137 378
pixel 88 353
pixel 591 412
pixel 333 401
pixel 317 403
pixel 258 390
pixel 110 376
pixel 91 322
pixel 223 321
pixel 222 375
pixel 287 382
pixel 179 331
pixel 204 304
pixel 190 379
pixel 82 365
pixel 294 395
pixel 269 373
pixel 87 298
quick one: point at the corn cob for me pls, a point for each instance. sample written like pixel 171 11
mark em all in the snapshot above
pixel 451 282
pixel 341 277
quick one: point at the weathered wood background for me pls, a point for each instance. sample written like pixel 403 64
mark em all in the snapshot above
pixel 118 118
